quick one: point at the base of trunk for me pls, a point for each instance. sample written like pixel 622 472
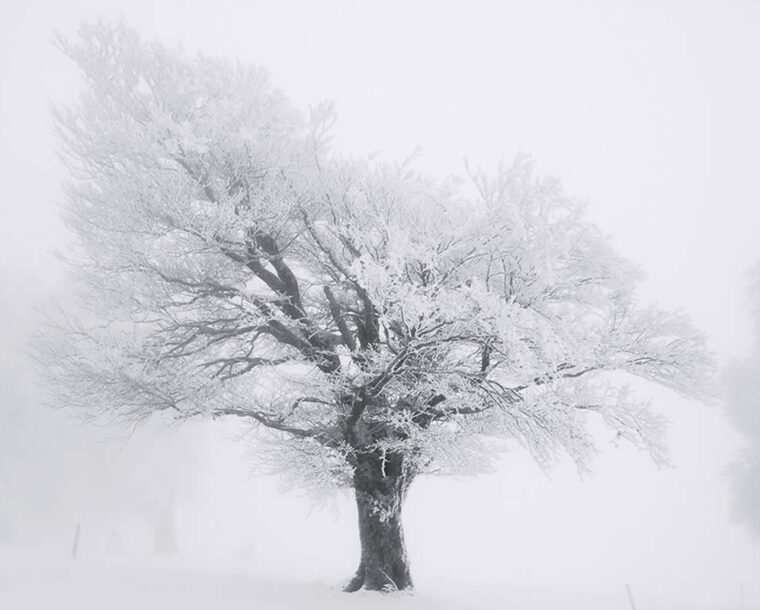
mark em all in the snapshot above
pixel 379 580
pixel 384 565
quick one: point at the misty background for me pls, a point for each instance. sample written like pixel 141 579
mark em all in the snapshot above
pixel 647 111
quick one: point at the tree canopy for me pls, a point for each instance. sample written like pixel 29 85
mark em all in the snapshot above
pixel 232 264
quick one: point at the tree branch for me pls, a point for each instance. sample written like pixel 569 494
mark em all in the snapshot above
pixel 340 319
pixel 325 437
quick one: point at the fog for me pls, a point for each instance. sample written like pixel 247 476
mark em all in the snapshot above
pixel 647 111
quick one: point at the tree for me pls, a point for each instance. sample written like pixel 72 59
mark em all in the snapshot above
pixel 742 379
pixel 374 323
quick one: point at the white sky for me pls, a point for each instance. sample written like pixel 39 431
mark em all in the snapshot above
pixel 646 110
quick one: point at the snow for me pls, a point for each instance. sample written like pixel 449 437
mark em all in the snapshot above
pixel 31 580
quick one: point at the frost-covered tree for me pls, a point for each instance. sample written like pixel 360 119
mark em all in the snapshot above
pixel 374 323
pixel 742 379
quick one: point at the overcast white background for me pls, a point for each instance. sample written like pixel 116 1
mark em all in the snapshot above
pixel 647 111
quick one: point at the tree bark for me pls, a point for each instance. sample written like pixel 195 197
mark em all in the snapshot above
pixel 380 485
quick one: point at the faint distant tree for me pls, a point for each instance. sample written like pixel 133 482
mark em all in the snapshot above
pixel 54 472
pixel 376 324
pixel 743 407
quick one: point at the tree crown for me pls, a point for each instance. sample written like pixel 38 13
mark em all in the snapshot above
pixel 234 265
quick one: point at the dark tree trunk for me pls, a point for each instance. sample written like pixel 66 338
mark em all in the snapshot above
pixel 380 486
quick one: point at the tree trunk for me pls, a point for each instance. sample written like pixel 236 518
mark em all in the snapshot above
pixel 380 486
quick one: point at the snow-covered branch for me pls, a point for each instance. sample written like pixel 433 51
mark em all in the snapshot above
pixel 231 264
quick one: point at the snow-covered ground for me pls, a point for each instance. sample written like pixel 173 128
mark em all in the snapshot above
pixel 511 539
pixel 41 581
